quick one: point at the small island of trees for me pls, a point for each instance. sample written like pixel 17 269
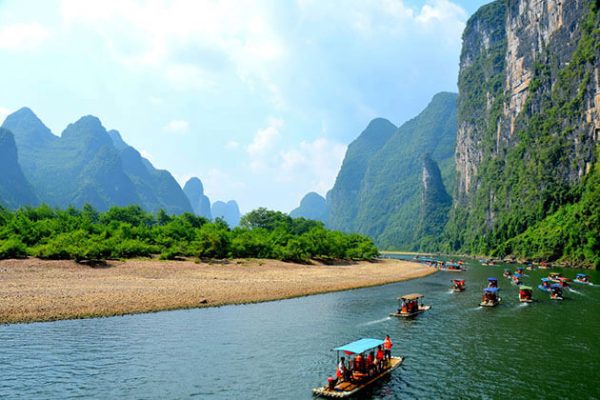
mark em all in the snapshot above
pixel 129 232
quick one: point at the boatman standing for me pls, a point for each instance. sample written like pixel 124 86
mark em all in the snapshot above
pixel 342 371
pixel 387 346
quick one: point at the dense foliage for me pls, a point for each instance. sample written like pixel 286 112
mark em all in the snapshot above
pixel 125 232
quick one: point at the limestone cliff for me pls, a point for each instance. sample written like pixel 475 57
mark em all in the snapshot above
pixel 528 116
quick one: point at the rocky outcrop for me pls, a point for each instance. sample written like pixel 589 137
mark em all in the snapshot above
pixel 313 206
pixel 434 205
pixel 529 112
pixel 194 190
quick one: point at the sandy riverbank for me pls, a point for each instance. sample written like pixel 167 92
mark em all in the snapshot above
pixel 38 290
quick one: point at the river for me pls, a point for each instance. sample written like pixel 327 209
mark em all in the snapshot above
pixel 281 349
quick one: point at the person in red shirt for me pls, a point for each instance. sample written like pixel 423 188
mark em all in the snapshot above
pixel 379 358
pixel 358 363
pixel 370 363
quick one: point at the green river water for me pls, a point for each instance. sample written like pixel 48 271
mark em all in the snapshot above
pixel 281 350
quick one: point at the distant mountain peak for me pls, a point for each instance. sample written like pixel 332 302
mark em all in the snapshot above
pixel 117 139
pixel 312 206
pixel 27 128
pixel 194 184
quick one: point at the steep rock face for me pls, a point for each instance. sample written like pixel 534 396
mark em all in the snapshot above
pixel 312 206
pixel 435 205
pixel 343 197
pixel 528 121
pixel 229 211
pixel 385 197
pixel 194 190
pixel 15 190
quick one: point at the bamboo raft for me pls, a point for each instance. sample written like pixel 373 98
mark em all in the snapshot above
pixel 421 309
pixel 347 389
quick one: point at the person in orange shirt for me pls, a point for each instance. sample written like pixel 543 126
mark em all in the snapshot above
pixel 387 345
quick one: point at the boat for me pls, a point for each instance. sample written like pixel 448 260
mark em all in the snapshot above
pixel 355 381
pixel 492 282
pixel 525 294
pixel 516 279
pixel 490 297
pixel 582 279
pixel 488 262
pixel 520 270
pixel 556 292
pixel 544 265
pixel 458 285
pixel 554 276
pixel 564 282
pixel 507 273
pixel 410 306
pixel 545 285
pixel 452 266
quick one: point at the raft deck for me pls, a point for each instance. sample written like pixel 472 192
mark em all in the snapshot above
pixel 347 389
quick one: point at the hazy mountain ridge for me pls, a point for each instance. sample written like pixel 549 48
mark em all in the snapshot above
pixel 380 193
pixel 87 164
pixel 312 206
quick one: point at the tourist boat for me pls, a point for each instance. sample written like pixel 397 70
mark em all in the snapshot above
pixel 583 279
pixel 556 277
pixel 492 282
pixel 525 294
pixel 452 267
pixel 545 285
pixel 356 381
pixel 556 292
pixel 520 270
pixel 507 273
pixel 490 297
pixel 516 279
pixel 458 285
pixel 410 306
pixel 489 262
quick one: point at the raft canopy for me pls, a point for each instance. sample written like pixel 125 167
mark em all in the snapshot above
pixel 545 280
pixel 526 288
pixel 517 275
pixel 491 289
pixel 492 279
pixel 410 297
pixel 360 346
pixel 581 275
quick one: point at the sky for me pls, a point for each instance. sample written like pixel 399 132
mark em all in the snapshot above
pixel 259 99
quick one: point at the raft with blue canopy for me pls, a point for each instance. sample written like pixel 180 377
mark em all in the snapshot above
pixel 341 388
pixel 490 297
pixel 360 346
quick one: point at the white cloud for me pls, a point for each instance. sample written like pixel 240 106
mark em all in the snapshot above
pixel 317 163
pixel 23 36
pixel 263 142
pixel 178 127
pixel 232 145
pixel 4 112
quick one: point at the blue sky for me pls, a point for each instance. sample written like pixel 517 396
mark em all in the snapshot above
pixel 259 99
